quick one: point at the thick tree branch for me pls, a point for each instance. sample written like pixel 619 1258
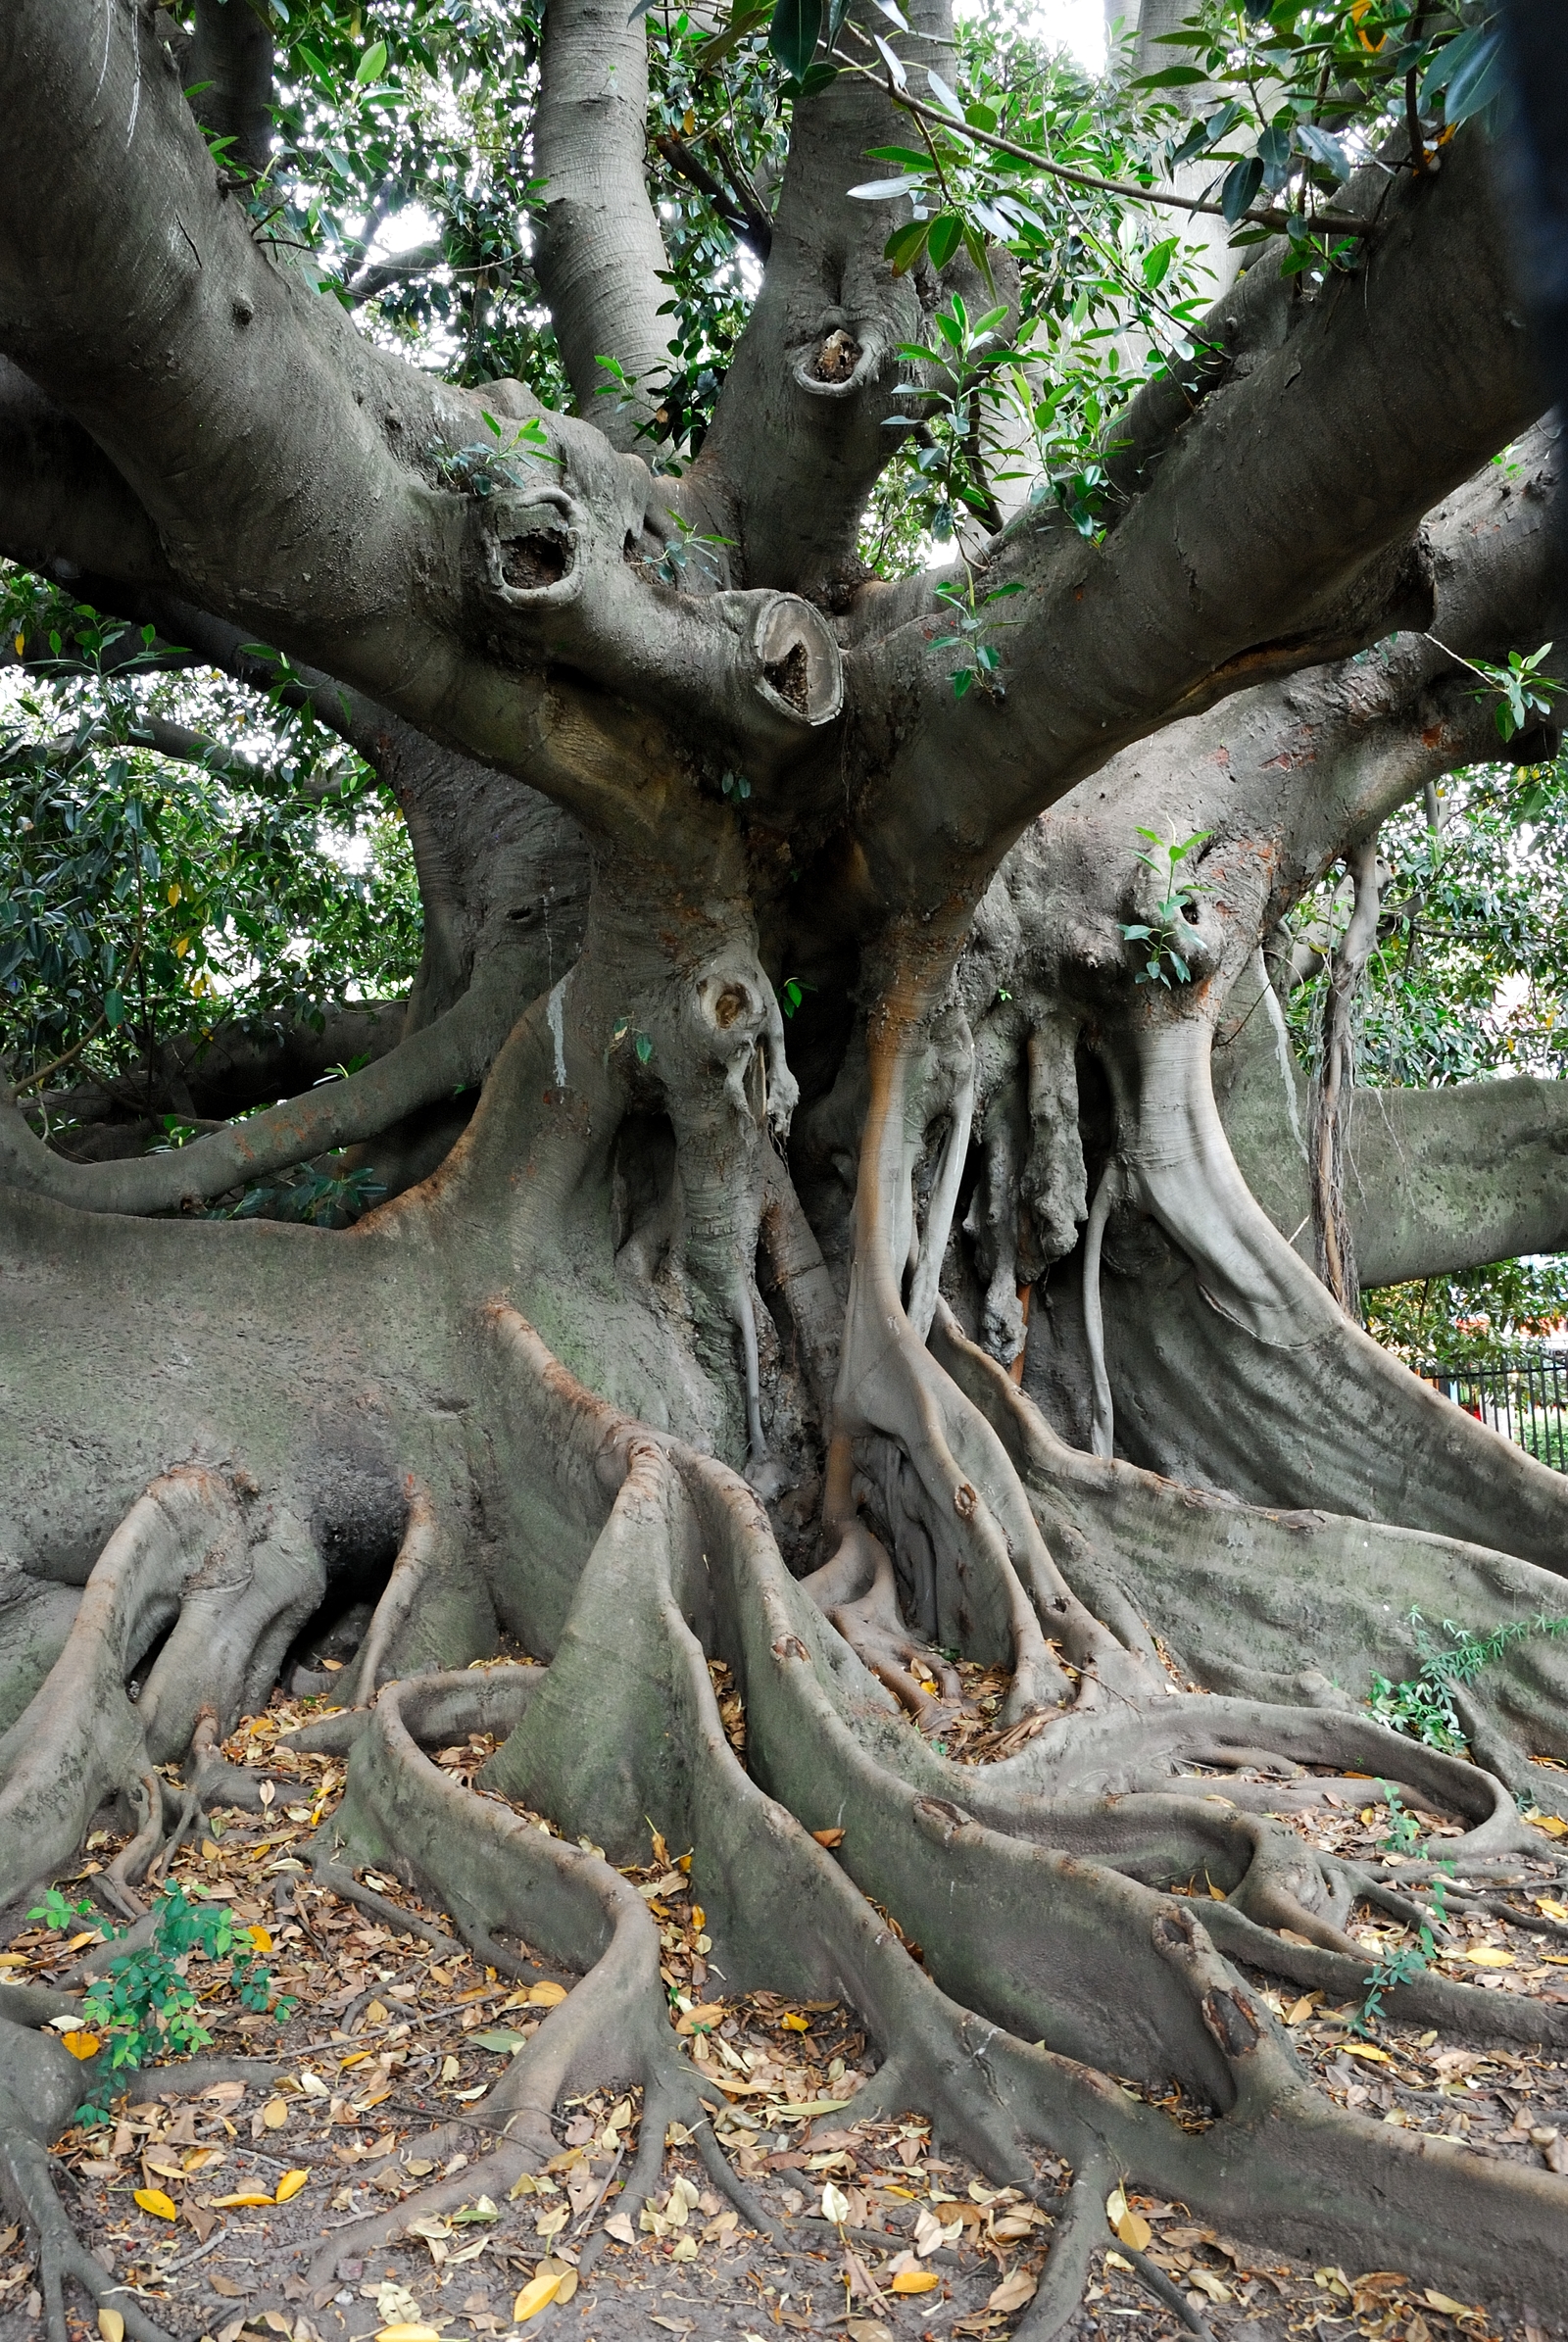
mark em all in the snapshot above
pixel 799 436
pixel 600 253
pixel 230 67
pixel 453 1051
pixel 64 508
pixel 1436 1182
pixel 312 488
pixel 1234 548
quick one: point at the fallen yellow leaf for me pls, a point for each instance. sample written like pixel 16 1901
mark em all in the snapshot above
pixel 407 2333
pixel 1550 1824
pixel 1135 2231
pixel 275 2114
pixel 13 1959
pixel 247 2196
pixel 290 2185
pixel 153 2199
pixel 915 2280
pixel 81 2045
pixel 1116 2206
pixel 1450 2308
pixel 794 2022
pixel 1490 1955
pixel 1552 1910
pixel 547 1995
pixel 111 2325
pixel 828 1837
pixel 78 1942
pixel 535 2296
pixel 1299 2010
pixel 1364 2049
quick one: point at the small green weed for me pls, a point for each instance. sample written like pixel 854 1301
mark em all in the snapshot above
pixel 1163 939
pixel 1422 1707
pixel 146 2006
pixel 1410 1961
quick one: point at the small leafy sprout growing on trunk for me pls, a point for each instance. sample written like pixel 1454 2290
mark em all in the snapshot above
pixel 1162 938
pixel 1422 1706
pixel 970 615
pixel 1524 695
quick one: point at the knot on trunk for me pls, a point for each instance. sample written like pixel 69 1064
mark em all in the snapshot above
pixel 938 1818
pixel 1229 2016
pixel 840 356
pixel 531 549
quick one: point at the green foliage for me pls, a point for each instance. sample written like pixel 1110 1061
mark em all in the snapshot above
pixel 1422 1707
pixel 1309 91
pixel 142 897
pixel 1409 1962
pixel 1161 941
pixel 1478 1318
pixel 1521 691
pixel 146 2006
pixel 1470 972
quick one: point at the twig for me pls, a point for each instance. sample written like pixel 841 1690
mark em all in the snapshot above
pixel 1168 197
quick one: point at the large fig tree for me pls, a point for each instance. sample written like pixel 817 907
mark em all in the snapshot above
pixel 995 1305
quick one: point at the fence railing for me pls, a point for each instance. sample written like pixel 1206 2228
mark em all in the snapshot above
pixel 1524 1395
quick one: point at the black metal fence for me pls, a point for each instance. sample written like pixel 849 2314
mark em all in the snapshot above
pixel 1524 1395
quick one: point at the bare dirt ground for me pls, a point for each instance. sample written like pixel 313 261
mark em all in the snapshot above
pixel 212 2209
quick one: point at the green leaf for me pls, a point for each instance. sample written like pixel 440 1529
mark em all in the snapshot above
pixel 946 234
pixel 906 245
pixel 884 190
pixel 1171 77
pixel 794 34
pixel 372 65
pixel 1241 183
pixel 1475 83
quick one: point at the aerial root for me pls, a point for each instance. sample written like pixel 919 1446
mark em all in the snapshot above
pixel 1080 2228
pixel 81 1729
pixel 857 1592
pixel 118 1881
pixel 410 1571
pixel 493 1869
pixel 40 2085
pixel 1169 2295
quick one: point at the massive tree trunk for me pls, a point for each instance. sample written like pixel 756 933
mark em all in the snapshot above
pixel 698 1339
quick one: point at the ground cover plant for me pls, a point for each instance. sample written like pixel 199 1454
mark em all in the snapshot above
pixel 790 1421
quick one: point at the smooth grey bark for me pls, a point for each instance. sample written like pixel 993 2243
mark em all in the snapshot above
pixel 231 59
pixel 354 1392
pixel 1437 1181
pixel 600 252
pixel 798 435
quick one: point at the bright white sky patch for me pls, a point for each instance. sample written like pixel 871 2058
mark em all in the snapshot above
pixel 1078 25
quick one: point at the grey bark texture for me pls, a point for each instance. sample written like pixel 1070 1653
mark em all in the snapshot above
pixel 705 1333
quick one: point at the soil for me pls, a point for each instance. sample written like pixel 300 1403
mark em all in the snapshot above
pixel 378 2035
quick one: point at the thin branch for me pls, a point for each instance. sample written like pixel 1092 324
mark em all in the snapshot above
pixel 1271 216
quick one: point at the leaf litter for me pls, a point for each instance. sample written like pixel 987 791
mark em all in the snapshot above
pixel 207 2210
